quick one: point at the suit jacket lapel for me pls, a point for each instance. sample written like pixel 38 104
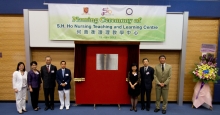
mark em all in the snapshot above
pixel 147 71
pixel 166 67
pixel 46 68
pixel 51 67
pixel 142 69
pixel 159 68
pixel 61 73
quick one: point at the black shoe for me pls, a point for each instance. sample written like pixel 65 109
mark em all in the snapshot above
pixel 46 108
pixel 156 110
pixel 135 109
pixel 142 108
pixel 164 111
pixel 147 109
pixel 131 109
pixel 52 108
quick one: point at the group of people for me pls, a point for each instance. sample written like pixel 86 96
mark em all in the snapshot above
pixel 140 82
pixel 23 80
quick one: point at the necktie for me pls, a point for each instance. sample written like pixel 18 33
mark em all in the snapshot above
pixel 162 67
pixel 145 69
pixel 48 69
pixel 63 72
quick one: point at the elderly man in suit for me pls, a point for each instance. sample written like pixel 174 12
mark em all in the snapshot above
pixel 48 75
pixel 147 76
pixel 63 80
pixel 162 77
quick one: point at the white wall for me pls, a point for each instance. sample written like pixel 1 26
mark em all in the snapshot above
pixel 39 33
pixel 173 40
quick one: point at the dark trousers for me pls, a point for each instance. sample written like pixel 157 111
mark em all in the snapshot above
pixel 148 97
pixel 49 92
pixel 34 97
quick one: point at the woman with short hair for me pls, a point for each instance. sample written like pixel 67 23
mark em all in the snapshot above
pixel 34 82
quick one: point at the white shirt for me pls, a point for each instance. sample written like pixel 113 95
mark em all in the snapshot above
pixel 163 65
pixel 24 81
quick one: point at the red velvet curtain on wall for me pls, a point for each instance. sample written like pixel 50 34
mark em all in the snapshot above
pixel 80 60
pixel 86 51
pixel 133 55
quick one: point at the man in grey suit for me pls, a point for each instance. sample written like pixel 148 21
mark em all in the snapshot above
pixel 162 77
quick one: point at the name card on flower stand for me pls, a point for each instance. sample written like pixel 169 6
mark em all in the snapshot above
pixel 208 48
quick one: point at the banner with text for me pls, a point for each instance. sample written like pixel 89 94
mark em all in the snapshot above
pixel 107 22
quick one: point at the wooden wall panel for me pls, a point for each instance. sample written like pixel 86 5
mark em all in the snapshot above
pixel 13 51
pixel 173 58
pixel 199 31
pixel 57 55
pixel 38 54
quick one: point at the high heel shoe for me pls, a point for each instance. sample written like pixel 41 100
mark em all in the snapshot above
pixel 131 109
pixel 20 112
pixel 135 109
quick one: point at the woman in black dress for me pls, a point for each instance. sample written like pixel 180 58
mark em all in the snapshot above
pixel 134 87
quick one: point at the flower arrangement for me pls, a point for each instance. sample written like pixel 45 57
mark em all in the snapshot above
pixel 207 70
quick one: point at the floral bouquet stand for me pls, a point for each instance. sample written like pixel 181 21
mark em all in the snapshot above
pixel 202 95
pixel 204 72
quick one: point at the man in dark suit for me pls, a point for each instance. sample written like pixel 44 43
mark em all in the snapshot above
pixel 48 74
pixel 147 76
pixel 63 80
